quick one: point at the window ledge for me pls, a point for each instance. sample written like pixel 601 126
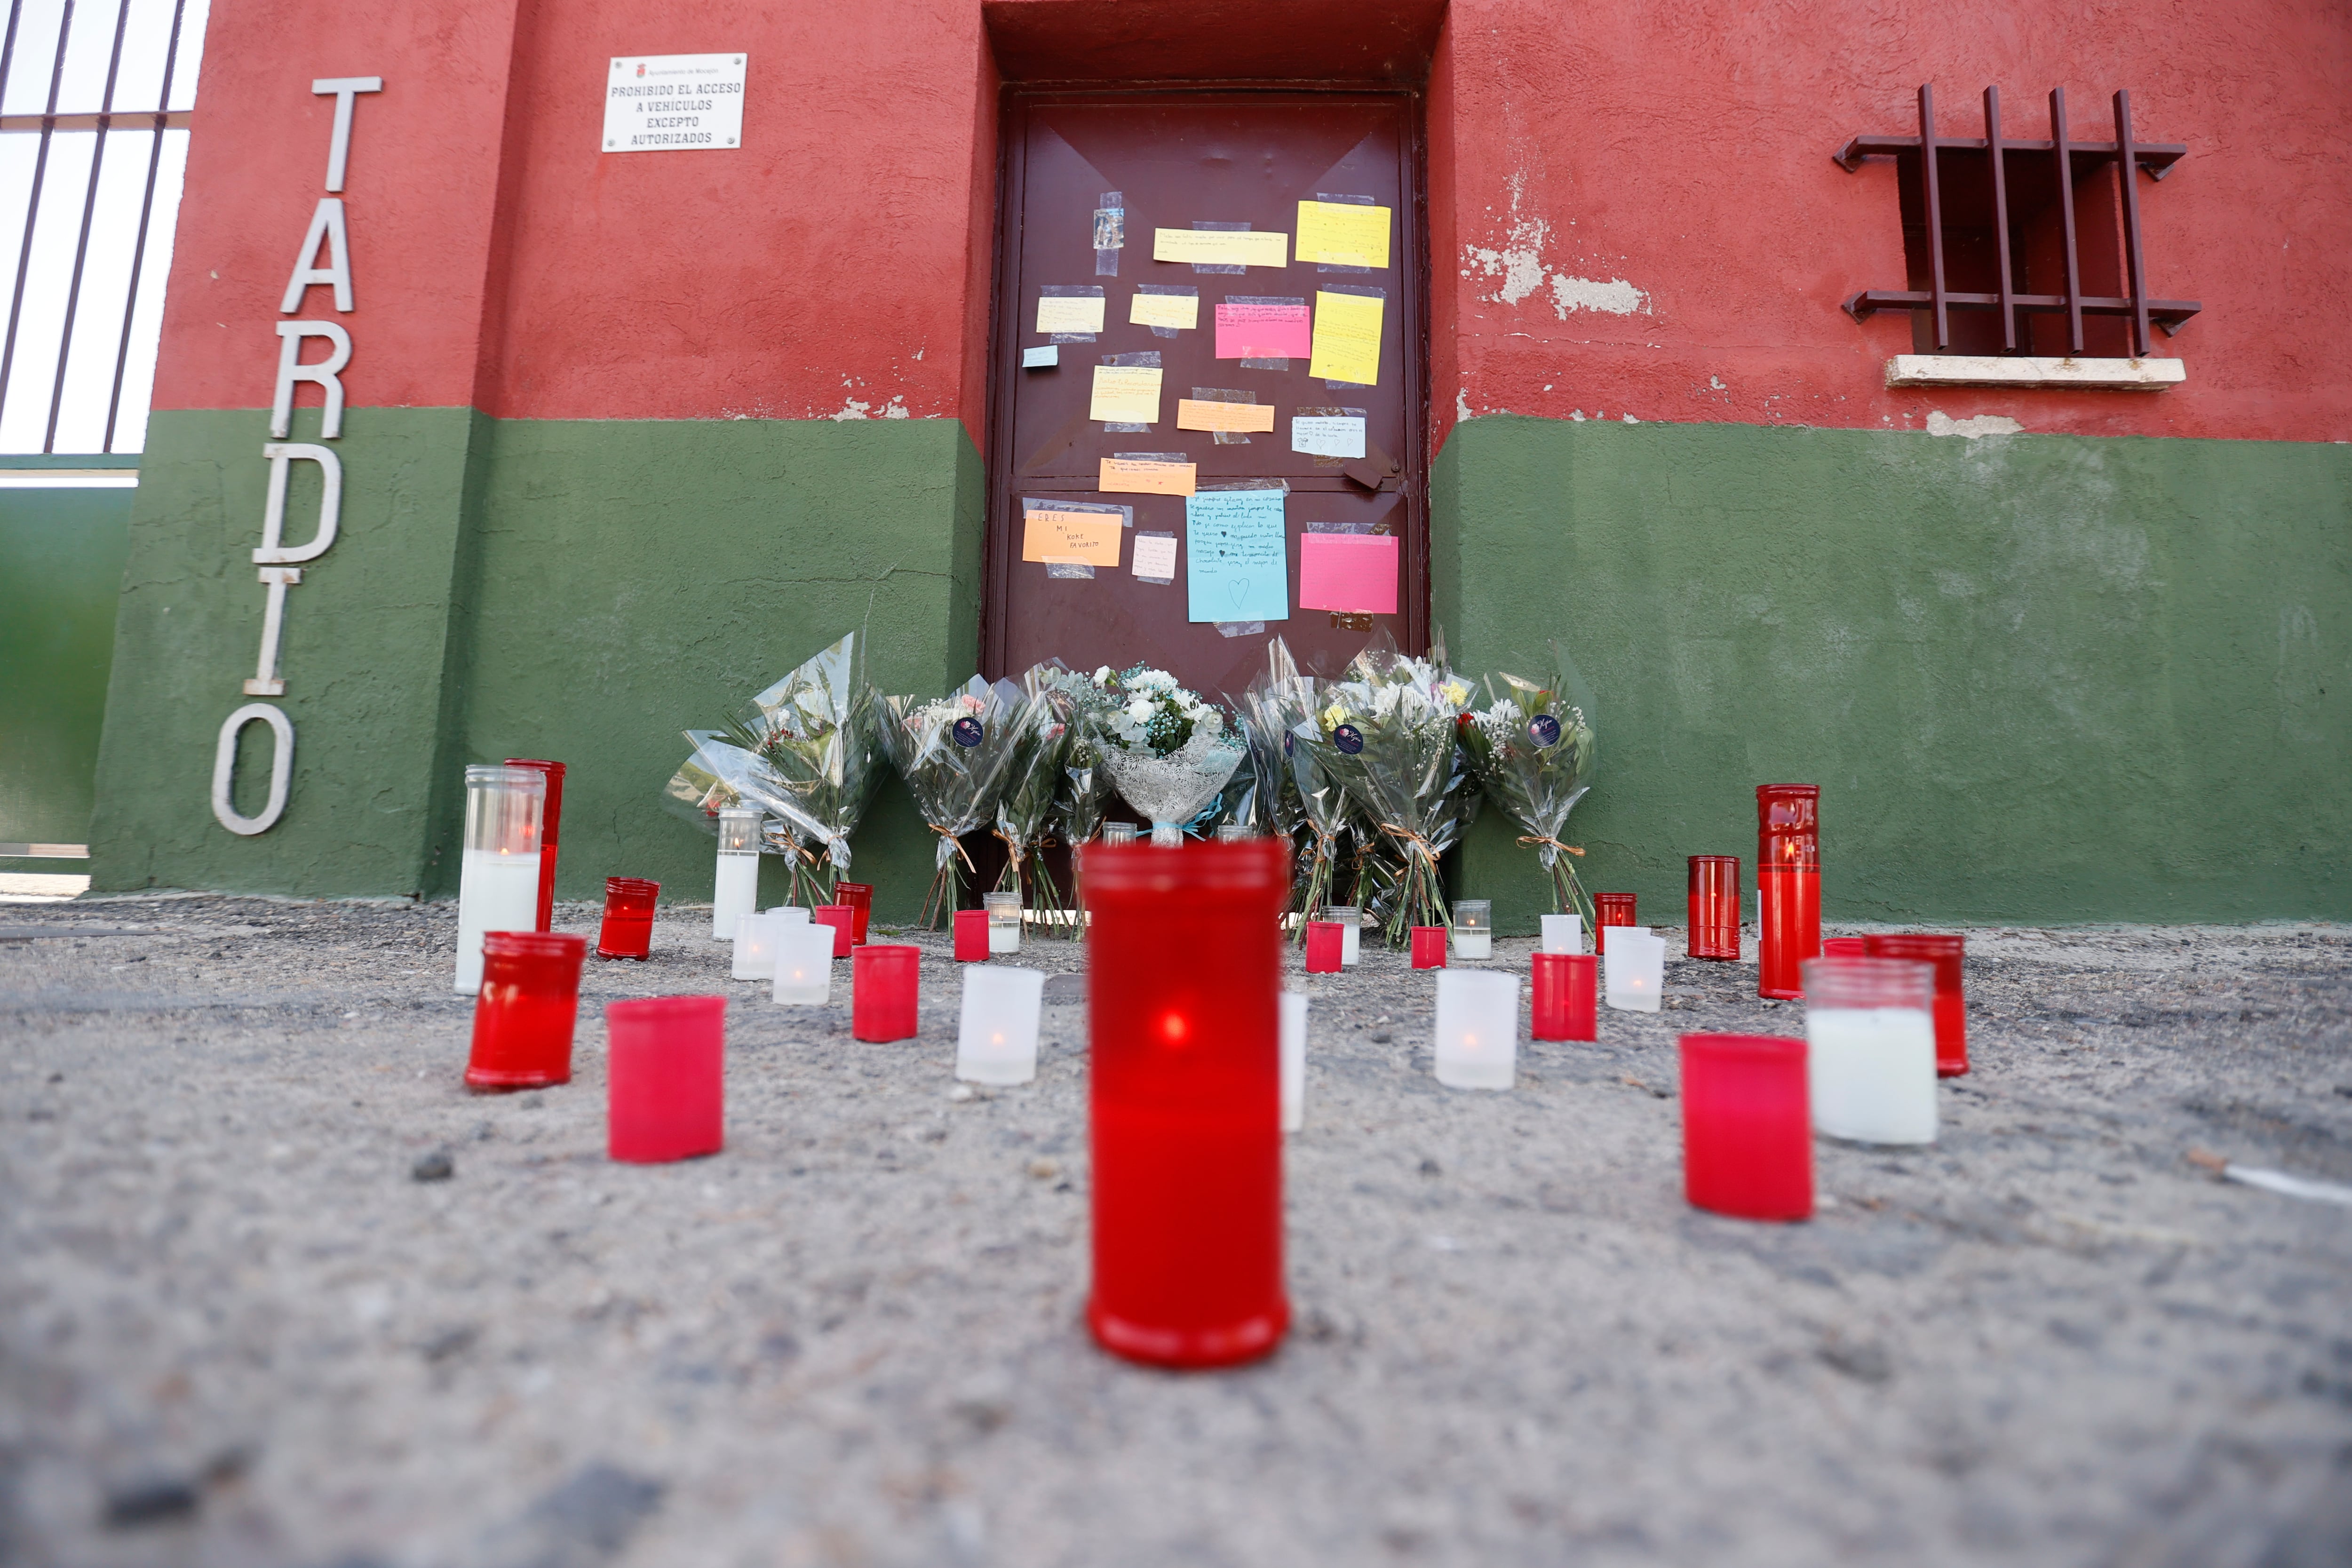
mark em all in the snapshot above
pixel 2006 370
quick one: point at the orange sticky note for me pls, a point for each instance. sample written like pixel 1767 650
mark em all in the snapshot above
pixel 1091 537
pixel 1197 414
pixel 1139 475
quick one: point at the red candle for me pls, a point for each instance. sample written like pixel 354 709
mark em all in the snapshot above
pixel 972 936
pixel 1429 947
pixel 1325 940
pixel 883 989
pixel 548 825
pixel 1715 906
pixel 628 928
pixel 1748 1132
pixel 1610 910
pixel 859 897
pixel 524 1011
pixel 666 1077
pixel 1565 1005
pixel 1186 1099
pixel 1842 947
pixel 1787 887
pixel 1947 953
pixel 843 922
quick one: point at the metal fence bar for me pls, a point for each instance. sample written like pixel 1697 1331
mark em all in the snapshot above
pixel 33 206
pixel 146 211
pixel 1934 214
pixel 2001 219
pixel 2064 160
pixel 81 244
pixel 2135 283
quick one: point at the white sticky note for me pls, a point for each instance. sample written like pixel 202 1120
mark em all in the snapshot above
pixel 1048 356
pixel 1328 435
pixel 1155 557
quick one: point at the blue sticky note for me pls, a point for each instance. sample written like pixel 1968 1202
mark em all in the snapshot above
pixel 1236 561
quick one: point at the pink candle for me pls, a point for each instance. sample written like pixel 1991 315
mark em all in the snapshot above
pixel 883 987
pixel 664 1077
pixel 1325 942
pixel 1566 1004
pixel 972 936
pixel 1429 947
pixel 843 922
pixel 1748 1134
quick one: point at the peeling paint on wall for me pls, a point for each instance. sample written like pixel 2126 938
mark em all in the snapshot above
pixel 1518 263
pixel 1942 424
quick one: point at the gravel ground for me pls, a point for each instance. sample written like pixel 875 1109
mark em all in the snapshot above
pixel 234 1329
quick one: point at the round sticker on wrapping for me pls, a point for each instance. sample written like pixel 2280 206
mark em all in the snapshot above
pixel 967 733
pixel 1286 742
pixel 1349 739
pixel 1544 730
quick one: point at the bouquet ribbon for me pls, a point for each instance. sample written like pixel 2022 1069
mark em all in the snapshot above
pixel 1415 839
pixel 1553 845
pixel 948 841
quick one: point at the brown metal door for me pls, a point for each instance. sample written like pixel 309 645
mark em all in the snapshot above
pixel 1177 159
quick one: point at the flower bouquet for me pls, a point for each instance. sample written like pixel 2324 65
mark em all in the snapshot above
pixel 955 754
pixel 1084 791
pixel 1386 729
pixel 1307 801
pixel 1169 752
pixel 1532 752
pixel 812 735
pixel 1033 782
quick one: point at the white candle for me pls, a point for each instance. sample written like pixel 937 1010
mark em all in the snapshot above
pixel 495 892
pixel 791 914
pixel 1351 922
pixel 1564 933
pixel 804 965
pixel 1634 969
pixel 996 1039
pixel 1474 928
pixel 755 945
pixel 1870 1058
pixel 1294 1061
pixel 1477 1028
pixel 735 888
pixel 1004 921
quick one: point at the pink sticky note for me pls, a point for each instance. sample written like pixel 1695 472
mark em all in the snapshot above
pixel 1356 573
pixel 1264 331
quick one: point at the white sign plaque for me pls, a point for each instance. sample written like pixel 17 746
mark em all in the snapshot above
pixel 660 103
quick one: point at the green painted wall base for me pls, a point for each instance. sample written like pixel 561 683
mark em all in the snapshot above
pixel 61 556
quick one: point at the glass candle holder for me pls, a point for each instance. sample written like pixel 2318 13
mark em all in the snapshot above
pixel 551 824
pixel 970 936
pixel 735 889
pixel 1324 939
pixel 996 1036
pixel 1477 1028
pixel 524 1011
pixel 1474 928
pixel 1748 1136
pixel 1845 947
pixel 1715 907
pixel 791 914
pixel 1787 887
pixel 1564 933
pixel 1185 1086
pixel 804 965
pixel 859 897
pixel 1610 910
pixel 1565 1005
pixel 1429 947
pixel 1634 972
pixel 756 935
pixel 840 920
pixel 1294 1061
pixel 1231 832
pixel 666 1063
pixel 1119 833
pixel 884 987
pixel 1871 1049
pixel 497 874
pixel 1351 921
pixel 1004 921
pixel 1948 954
pixel 628 928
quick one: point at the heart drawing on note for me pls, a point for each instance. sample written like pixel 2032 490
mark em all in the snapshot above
pixel 1239 588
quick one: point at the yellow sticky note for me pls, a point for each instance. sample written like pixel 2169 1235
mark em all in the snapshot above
pixel 1343 234
pixel 1221 247
pixel 1139 476
pixel 1065 313
pixel 1165 310
pixel 1091 537
pixel 1194 413
pixel 1129 394
pixel 1347 338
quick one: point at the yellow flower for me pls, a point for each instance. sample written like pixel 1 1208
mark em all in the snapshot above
pixel 1333 716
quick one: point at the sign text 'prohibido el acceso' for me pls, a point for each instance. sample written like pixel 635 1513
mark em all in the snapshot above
pixel 668 103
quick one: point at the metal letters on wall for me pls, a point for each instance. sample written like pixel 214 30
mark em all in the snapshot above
pixel 275 559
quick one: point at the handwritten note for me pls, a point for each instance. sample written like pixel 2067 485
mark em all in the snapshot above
pixel 1125 395
pixel 1067 313
pixel 1090 536
pixel 1165 310
pixel 1328 435
pixel 1343 234
pixel 1352 573
pixel 1347 338
pixel 1139 475
pixel 1221 247
pixel 1238 567
pixel 1155 557
pixel 1262 331
pixel 1195 413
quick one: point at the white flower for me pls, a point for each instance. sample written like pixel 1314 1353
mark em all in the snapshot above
pixel 1102 674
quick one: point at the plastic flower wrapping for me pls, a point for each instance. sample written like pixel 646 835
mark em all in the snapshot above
pixel 1033 782
pixel 1386 729
pixel 814 734
pixel 1085 791
pixel 956 755
pixel 1532 751
pixel 1307 801
pixel 1169 752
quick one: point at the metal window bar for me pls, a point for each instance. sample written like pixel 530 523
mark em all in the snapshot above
pixel 2157 158
pixel 46 125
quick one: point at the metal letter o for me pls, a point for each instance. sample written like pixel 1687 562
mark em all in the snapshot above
pixel 281 768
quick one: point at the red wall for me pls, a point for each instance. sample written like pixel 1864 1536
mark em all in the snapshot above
pixel 1672 158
